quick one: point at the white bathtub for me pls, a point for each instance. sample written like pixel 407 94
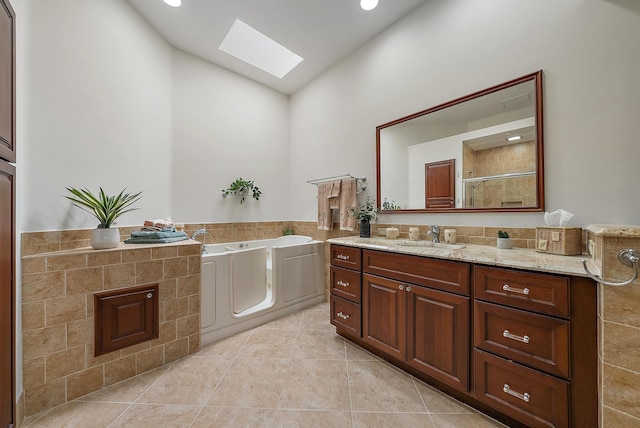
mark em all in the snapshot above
pixel 245 284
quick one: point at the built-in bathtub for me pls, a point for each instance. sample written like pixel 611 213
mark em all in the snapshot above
pixel 245 284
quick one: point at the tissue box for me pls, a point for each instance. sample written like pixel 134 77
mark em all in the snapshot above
pixel 566 241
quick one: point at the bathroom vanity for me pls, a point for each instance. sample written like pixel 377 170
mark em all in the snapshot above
pixel 513 333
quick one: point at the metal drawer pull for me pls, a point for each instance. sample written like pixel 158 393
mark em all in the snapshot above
pixel 524 339
pixel 401 287
pixel 343 284
pixel 342 257
pixel 524 397
pixel 343 316
pixel 408 288
pixel 515 290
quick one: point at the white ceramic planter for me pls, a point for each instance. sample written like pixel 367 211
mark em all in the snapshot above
pixel 102 239
pixel 504 243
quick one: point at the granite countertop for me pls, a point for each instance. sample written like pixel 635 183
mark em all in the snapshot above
pixel 520 258
pixel 120 247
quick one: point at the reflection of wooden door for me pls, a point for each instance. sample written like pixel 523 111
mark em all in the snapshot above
pixel 439 184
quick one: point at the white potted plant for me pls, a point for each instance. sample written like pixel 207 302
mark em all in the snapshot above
pixel 106 209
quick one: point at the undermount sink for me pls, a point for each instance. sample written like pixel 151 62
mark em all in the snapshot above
pixel 431 244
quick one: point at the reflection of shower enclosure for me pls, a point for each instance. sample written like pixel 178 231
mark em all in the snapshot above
pixel 500 191
pixel 473 192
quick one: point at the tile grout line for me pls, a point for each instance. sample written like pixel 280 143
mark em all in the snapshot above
pixel 221 378
pixel 140 395
pixel 415 385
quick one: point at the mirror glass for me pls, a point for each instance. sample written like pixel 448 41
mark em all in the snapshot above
pixel 481 152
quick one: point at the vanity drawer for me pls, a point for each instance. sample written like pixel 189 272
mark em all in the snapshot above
pixel 535 398
pixel 346 284
pixel 346 257
pixel 346 316
pixel 536 340
pixel 547 294
pixel 439 274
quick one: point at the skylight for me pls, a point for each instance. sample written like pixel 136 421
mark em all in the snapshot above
pixel 253 47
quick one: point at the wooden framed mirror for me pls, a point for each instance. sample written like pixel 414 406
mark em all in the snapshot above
pixel 480 152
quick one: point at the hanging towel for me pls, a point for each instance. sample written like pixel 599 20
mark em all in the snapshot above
pixel 334 194
pixel 348 204
pixel 324 209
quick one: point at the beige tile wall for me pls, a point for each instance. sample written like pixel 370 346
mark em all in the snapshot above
pixel 519 191
pixel 521 237
pixel 57 314
pixel 619 334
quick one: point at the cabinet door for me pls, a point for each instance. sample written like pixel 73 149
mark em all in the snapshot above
pixel 7 293
pixel 438 335
pixel 383 314
pixel 7 82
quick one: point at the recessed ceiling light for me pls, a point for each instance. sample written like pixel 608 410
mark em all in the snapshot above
pixel 251 46
pixel 174 3
pixel 368 4
pixel 514 138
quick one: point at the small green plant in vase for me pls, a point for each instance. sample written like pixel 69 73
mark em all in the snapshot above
pixel 365 214
pixel 504 242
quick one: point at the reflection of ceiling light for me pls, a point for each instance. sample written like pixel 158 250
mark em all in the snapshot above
pixel 368 4
pixel 174 3
pixel 514 138
pixel 253 47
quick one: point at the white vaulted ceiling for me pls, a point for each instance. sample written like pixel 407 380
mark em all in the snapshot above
pixel 320 31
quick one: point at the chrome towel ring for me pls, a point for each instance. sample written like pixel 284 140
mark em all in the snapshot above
pixel 628 257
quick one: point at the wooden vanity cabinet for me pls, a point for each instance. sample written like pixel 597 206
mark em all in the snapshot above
pixel 425 327
pixel 518 345
pixel 345 287
pixel 535 350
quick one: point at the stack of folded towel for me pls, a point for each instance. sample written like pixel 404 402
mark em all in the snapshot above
pixel 149 234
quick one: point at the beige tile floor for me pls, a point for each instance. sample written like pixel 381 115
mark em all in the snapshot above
pixel 292 372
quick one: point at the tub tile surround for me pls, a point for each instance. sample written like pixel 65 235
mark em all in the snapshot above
pixel 58 315
pixel 619 327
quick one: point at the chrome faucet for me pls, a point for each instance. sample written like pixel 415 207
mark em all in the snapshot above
pixel 198 233
pixel 435 233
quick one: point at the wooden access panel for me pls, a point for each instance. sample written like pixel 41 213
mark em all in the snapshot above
pixel 440 184
pixel 125 317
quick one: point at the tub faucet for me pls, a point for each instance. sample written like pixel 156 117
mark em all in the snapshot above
pixel 198 233
pixel 435 233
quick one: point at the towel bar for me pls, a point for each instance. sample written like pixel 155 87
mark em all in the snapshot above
pixel 628 257
pixel 360 180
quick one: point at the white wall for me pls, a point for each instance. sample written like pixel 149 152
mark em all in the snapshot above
pixel 22 8
pixel 226 127
pixel 446 49
pixel 99 111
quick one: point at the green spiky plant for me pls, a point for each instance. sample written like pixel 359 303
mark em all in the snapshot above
pixel 103 207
